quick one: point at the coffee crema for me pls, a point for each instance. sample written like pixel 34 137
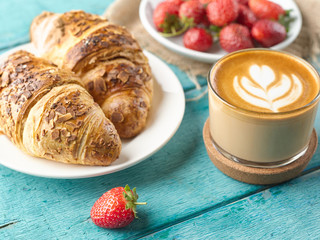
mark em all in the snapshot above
pixel 264 81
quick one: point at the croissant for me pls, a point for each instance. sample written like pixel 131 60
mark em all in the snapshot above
pixel 47 113
pixel 108 60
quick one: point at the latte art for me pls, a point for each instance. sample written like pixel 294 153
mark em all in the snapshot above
pixel 262 106
pixel 264 90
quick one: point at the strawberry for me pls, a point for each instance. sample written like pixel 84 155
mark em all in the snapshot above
pixel 205 21
pixel 166 17
pixel 222 12
pixel 234 37
pixel 268 33
pixel 115 208
pixel 192 10
pixel 244 2
pixel 266 9
pixel 197 39
pixel 204 2
pixel 246 16
pixel 176 2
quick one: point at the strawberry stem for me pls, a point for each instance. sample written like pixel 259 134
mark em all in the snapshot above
pixel 139 203
pixel 131 198
pixel 176 33
pixel 286 19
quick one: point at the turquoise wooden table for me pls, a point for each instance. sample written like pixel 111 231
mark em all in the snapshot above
pixel 188 198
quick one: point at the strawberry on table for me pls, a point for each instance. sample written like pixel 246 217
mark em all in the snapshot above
pixel 222 12
pixel 235 37
pixel 246 16
pixel 115 208
pixel 268 33
pixel 266 9
pixel 197 39
pixel 192 9
pixel 166 17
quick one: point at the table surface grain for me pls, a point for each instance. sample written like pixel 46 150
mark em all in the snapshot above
pixel 188 198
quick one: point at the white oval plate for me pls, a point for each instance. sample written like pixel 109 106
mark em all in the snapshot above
pixel 164 120
pixel 175 44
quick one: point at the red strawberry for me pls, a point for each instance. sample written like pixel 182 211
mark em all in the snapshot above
pixel 244 2
pixel 205 21
pixel 205 1
pixel 166 16
pixel 266 9
pixel 246 16
pixel 268 33
pixel 192 10
pixel 234 37
pixel 222 12
pixel 176 2
pixel 197 39
pixel 116 208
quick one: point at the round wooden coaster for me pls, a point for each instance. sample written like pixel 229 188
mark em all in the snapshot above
pixel 254 175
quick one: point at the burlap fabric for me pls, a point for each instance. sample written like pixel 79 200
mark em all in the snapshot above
pixel 126 13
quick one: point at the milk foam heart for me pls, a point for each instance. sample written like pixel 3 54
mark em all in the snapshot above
pixel 261 88
pixel 264 81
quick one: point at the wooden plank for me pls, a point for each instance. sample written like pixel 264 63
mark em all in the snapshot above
pixel 288 211
pixel 186 81
pixel 16 15
pixel 178 182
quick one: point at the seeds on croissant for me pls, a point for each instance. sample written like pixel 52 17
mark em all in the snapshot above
pixel 55 134
pixel 81 112
pixel 51 115
pixel 30 87
pixel 61 109
pixel 52 125
pixel 64 118
pixel 65 133
pixel 27 94
pixel 123 76
pixel 71 138
pixel 101 84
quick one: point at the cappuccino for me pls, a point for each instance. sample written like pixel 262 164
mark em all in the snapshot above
pixel 262 106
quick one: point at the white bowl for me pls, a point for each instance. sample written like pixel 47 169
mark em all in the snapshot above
pixel 176 44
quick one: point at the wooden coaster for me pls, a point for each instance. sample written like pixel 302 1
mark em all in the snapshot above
pixel 254 175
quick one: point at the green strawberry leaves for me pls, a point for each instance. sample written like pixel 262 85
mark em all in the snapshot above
pixel 131 198
pixel 176 26
pixel 171 24
pixel 286 19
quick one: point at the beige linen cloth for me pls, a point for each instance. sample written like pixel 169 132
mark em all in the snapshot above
pixel 126 13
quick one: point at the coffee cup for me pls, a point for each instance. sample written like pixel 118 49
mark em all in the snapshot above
pixel 262 106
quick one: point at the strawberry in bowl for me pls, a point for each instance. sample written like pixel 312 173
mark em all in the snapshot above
pixel 210 17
